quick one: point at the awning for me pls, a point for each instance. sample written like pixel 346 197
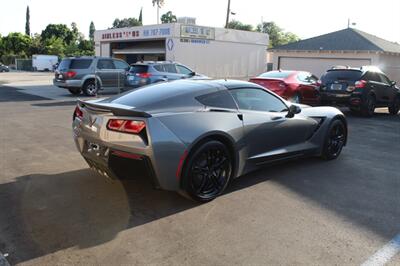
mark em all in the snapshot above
pixel 140 51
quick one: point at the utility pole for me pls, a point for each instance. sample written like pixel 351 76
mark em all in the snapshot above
pixel 348 23
pixel 228 11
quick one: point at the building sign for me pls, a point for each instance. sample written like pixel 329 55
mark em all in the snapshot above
pixel 198 32
pixel 157 32
pixel 195 41
pixel 120 35
pixel 136 33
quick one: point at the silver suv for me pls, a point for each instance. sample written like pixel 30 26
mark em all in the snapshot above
pixel 90 74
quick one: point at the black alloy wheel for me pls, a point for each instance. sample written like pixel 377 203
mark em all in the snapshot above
pixel 335 140
pixel 207 172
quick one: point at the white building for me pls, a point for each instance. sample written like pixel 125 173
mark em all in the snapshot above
pixel 215 52
pixel 348 47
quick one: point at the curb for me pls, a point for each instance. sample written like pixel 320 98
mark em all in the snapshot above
pixel 3 261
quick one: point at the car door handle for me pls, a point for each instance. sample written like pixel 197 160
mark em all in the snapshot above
pixel 274 118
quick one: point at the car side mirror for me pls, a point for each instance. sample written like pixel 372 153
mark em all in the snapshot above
pixel 293 110
pixel 393 83
pixel 192 74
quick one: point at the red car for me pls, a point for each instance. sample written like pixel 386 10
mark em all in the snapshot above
pixel 295 86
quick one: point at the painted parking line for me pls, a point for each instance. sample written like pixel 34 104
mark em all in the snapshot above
pixel 383 256
pixel 3 261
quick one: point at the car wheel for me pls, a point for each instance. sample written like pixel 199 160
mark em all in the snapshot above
pixel 354 111
pixel 395 106
pixel 75 91
pixel 368 107
pixel 296 98
pixel 207 171
pixel 334 140
pixel 90 88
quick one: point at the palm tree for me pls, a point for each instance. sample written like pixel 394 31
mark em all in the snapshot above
pixel 159 4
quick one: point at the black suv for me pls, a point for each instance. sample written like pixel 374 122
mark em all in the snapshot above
pixel 361 89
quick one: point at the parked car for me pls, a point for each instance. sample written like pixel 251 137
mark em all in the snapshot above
pixel 145 73
pixel 362 89
pixel 295 86
pixel 90 74
pixel 4 68
pixel 195 136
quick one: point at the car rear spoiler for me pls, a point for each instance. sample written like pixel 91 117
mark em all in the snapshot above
pixel 108 107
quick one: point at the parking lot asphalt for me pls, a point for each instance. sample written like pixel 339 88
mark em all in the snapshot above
pixel 54 210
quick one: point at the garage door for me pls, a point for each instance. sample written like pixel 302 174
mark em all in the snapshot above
pixel 318 66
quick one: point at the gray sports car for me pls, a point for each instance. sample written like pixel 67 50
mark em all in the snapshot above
pixel 195 136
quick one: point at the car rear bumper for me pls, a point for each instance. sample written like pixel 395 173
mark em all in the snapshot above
pixel 352 100
pixel 67 83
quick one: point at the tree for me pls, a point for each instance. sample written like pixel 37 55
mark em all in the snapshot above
pixel 168 17
pixel 54 46
pixel 159 4
pixel 27 22
pixel 60 31
pixel 16 43
pixel 75 32
pixel 276 34
pixel 237 25
pixel 126 22
pixel 92 29
pixel 141 16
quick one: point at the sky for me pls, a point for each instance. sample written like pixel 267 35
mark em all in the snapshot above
pixel 306 18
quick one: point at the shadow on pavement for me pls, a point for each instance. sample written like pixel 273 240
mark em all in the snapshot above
pixel 10 94
pixel 42 214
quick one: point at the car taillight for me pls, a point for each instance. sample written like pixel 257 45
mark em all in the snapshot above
pixel 144 75
pixel 70 74
pixel 360 84
pixel 78 113
pixel 126 126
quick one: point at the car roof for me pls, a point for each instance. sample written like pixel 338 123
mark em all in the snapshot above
pixel 235 84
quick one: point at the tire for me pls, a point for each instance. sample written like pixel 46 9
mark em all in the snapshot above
pixel 90 88
pixel 75 91
pixel 394 108
pixel 296 98
pixel 368 108
pixel 207 172
pixel 334 140
pixel 355 111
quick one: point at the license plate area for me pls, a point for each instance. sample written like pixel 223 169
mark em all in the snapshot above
pixel 336 87
pixel 96 150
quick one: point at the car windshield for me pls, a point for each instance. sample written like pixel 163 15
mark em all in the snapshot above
pixel 276 74
pixel 139 69
pixel 346 75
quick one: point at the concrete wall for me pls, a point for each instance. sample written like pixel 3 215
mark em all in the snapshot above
pixel 390 64
pixel 218 59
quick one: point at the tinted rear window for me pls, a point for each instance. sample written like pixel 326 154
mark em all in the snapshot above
pixel 221 99
pixel 276 74
pixel 347 75
pixel 80 63
pixel 138 69
pixel 64 64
